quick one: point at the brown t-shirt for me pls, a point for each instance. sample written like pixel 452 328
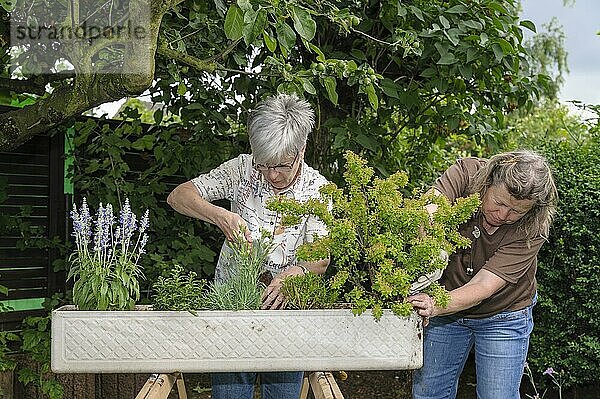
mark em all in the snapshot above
pixel 504 253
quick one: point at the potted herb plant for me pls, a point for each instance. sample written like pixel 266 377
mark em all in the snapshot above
pixel 380 243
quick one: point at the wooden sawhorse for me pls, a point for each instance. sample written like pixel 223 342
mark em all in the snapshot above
pixel 323 386
pixel 158 386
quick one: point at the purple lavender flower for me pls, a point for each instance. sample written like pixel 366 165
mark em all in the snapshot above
pixel 86 220
pixel 108 222
pixel 77 225
pixel 145 221
pixel 143 244
pixel 127 221
pixel 114 254
pixel 549 371
pixel 98 228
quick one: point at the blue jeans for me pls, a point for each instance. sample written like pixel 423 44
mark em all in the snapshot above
pixel 501 342
pixel 278 385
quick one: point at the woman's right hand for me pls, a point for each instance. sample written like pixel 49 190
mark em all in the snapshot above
pixel 232 224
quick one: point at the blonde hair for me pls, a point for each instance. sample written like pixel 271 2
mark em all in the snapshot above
pixel 526 175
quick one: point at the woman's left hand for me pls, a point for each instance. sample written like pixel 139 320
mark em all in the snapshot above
pixel 272 298
pixel 424 306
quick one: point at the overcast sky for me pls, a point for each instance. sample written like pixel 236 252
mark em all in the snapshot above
pixel 580 23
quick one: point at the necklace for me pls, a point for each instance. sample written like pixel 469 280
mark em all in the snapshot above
pixel 476 233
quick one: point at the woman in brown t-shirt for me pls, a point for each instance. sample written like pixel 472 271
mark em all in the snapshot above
pixel 492 284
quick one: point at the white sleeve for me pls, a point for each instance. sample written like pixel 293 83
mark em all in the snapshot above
pixel 222 181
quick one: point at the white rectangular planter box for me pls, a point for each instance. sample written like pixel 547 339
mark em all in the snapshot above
pixel 146 341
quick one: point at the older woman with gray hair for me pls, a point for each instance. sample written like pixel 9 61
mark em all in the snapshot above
pixel 278 129
pixel 492 283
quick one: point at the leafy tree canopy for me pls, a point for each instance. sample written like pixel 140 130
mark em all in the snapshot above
pixel 386 77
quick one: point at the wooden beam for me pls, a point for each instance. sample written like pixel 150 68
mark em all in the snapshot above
pixel 324 386
pixel 181 387
pixel 157 386
pixel 305 387
pixel 335 389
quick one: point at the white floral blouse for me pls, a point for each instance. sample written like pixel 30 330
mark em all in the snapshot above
pixel 247 189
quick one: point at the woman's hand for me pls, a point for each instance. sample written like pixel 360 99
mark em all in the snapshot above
pixel 424 306
pixel 232 225
pixel 272 297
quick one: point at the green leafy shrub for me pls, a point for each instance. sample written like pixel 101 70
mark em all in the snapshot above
pixel 242 290
pixel 179 291
pixel 36 345
pixel 6 363
pixel 309 291
pixel 567 332
pixel 380 241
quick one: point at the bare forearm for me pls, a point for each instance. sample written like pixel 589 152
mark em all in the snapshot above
pixel 483 285
pixel 462 298
pixel 317 267
pixel 185 200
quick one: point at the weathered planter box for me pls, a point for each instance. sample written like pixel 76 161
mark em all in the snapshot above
pixel 216 341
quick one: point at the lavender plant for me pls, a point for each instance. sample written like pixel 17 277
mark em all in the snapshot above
pixel 243 289
pixel 105 267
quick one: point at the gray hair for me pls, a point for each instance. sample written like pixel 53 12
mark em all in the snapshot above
pixel 526 175
pixel 278 128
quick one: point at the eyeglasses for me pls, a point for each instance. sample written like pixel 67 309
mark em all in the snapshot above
pixel 282 168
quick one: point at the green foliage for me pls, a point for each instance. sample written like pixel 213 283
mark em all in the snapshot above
pixel 178 291
pixel 394 82
pixel 105 266
pixel 379 240
pixel 435 290
pixel 36 344
pixel 567 336
pixel 309 291
pixel 107 165
pixel 242 290
pixel 35 339
pixel 6 363
pixel 549 122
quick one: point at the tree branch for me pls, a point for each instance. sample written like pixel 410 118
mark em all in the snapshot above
pixel 20 125
pixel 89 89
pixel 228 50
pixel 33 85
pixel 196 63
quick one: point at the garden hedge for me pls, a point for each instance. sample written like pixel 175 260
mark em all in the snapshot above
pixel 567 332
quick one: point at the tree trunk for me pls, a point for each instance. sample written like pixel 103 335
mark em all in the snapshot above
pixel 90 89
pixel 6 385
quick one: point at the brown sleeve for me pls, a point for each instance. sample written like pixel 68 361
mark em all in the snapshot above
pixel 455 181
pixel 511 261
